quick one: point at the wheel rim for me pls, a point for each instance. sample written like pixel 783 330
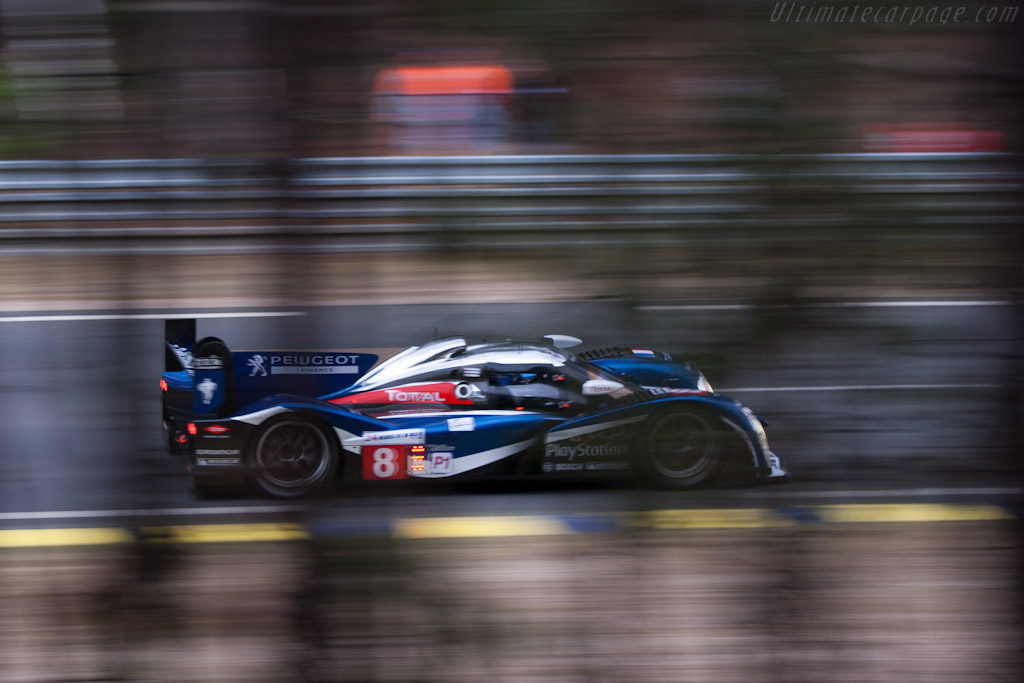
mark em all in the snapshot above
pixel 682 446
pixel 292 455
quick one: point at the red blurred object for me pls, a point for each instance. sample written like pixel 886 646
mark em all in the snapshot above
pixel 444 80
pixel 931 137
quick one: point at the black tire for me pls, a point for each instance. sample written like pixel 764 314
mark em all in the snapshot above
pixel 682 449
pixel 292 456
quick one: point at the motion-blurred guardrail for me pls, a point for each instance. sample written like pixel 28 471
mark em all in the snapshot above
pixel 374 203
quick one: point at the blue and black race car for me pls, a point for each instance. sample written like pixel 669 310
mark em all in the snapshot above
pixel 291 421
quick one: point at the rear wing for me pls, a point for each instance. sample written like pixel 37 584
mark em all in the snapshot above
pixel 223 381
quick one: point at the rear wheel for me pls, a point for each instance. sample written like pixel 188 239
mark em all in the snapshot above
pixel 682 449
pixel 293 456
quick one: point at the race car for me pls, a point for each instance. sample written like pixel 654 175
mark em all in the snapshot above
pixel 290 422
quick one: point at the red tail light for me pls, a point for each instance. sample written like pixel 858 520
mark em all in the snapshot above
pixel 417 459
pixel 192 428
pixel 163 384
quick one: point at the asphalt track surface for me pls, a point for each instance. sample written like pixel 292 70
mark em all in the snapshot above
pixel 902 406
pixel 893 554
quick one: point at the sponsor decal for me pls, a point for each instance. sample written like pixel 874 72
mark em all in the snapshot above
pixel 597 387
pixel 214 451
pixel 396 436
pixel 450 393
pixel 184 356
pixel 256 363
pixel 435 463
pixel 266 364
pixel 217 461
pixel 317 370
pixel 211 363
pixel 586 450
pixel 384 462
pixel 461 424
pixel 644 353
pixel 412 396
pixel 441 463
pixel 608 449
pixel 216 429
pixel 207 388
pixel 602 465
pixel 315 364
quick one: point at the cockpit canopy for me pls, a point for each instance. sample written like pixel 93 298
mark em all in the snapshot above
pixel 448 356
pixel 531 375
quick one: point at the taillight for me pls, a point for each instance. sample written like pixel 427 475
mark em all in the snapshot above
pixel 192 428
pixel 163 384
pixel 417 459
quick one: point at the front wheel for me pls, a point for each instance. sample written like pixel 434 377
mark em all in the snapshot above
pixel 682 449
pixel 293 456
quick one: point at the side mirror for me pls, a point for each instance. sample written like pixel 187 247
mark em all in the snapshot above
pixel 600 387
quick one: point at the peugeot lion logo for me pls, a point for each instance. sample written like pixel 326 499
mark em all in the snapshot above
pixel 207 388
pixel 256 363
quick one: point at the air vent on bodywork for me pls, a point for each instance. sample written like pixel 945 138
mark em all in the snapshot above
pixel 607 352
pixel 620 352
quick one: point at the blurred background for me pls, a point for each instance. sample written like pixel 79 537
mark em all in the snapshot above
pixel 820 213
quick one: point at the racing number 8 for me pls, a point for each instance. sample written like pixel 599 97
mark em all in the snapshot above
pixel 382 462
pixel 385 463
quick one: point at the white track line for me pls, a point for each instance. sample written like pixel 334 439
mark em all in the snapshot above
pixel 908 304
pixel 698 307
pixel 835 304
pixel 861 387
pixel 146 316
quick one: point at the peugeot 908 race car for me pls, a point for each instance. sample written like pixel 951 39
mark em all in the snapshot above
pixel 289 421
